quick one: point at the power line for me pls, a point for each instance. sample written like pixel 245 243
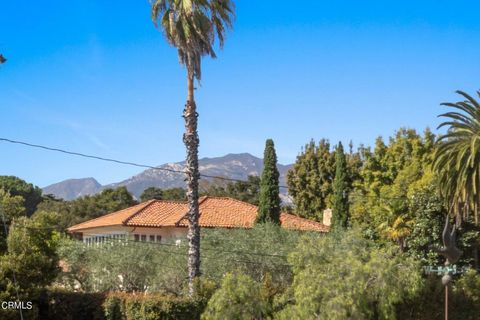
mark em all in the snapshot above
pixel 107 240
pixel 128 241
pixel 128 163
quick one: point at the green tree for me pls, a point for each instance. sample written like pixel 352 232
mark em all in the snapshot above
pixel 177 194
pixel 151 193
pixel 247 191
pixel 344 276
pixel 88 207
pixel 11 207
pixel 18 187
pixel 31 255
pixel 239 297
pixel 310 180
pixel 192 27
pixel 269 200
pixel 381 196
pixel 340 190
pixel 457 157
pixel 265 246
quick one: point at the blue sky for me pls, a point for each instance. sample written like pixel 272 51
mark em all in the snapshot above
pixel 97 77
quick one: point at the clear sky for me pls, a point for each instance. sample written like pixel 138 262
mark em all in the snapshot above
pixel 97 77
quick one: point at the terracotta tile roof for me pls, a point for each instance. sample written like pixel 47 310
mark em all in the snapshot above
pixel 218 212
pixel 159 213
pixel 215 212
pixel 112 219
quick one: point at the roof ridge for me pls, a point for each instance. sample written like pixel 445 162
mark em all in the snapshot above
pixel 200 201
pixel 171 201
pixel 111 214
pixel 149 203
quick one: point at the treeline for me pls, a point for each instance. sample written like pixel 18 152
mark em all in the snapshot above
pixel 391 191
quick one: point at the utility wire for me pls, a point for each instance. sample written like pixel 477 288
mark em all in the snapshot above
pixel 145 166
pixel 128 163
pixel 128 241
pixel 216 249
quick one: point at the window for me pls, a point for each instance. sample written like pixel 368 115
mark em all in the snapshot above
pixel 152 238
pixel 136 237
pixel 159 238
pixel 144 237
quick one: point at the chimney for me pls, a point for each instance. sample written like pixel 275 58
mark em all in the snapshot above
pixel 327 217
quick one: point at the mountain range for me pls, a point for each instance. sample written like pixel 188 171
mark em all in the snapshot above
pixel 232 166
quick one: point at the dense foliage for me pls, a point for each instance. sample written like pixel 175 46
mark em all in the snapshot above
pixel 88 207
pixel 247 191
pixel 340 206
pixel 177 194
pixel 130 266
pixel 32 195
pixel 354 279
pixel 310 180
pixel 269 197
pixel 239 297
pixel 388 194
pixel 457 158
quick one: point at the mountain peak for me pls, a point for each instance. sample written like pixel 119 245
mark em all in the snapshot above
pixel 73 188
pixel 232 165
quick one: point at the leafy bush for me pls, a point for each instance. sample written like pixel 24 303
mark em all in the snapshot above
pixel 343 276
pixel 127 306
pixel 429 303
pixel 152 267
pixel 254 252
pixel 239 297
pixel 123 266
pixel 67 305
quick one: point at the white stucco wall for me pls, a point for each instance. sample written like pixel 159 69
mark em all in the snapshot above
pixel 167 234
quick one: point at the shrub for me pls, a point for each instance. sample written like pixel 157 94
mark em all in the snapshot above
pixel 345 276
pixel 129 306
pixel 67 305
pixel 239 297
pixel 429 303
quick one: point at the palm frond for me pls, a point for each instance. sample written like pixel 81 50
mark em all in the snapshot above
pixel 192 26
pixel 457 156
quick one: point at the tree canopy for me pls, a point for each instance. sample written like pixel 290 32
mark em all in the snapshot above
pixel 340 190
pixel 88 207
pixel 31 194
pixel 193 26
pixel 457 157
pixel 269 198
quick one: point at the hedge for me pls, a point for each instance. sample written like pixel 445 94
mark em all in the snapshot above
pixel 429 304
pixel 121 306
pixel 67 305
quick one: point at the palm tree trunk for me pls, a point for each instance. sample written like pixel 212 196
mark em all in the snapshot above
pixel 191 140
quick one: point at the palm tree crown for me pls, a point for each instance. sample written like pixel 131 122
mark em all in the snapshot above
pixel 192 27
pixel 457 157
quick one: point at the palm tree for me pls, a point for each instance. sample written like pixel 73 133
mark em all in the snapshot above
pixel 192 26
pixel 457 158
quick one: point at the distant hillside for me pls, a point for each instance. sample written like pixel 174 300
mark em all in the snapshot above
pixel 73 188
pixel 235 166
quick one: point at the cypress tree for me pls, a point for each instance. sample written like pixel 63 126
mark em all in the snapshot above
pixel 269 200
pixel 340 190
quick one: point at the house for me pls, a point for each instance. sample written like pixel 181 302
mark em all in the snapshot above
pixel 164 220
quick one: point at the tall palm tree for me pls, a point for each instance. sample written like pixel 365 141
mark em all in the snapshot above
pixel 457 158
pixel 192 26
